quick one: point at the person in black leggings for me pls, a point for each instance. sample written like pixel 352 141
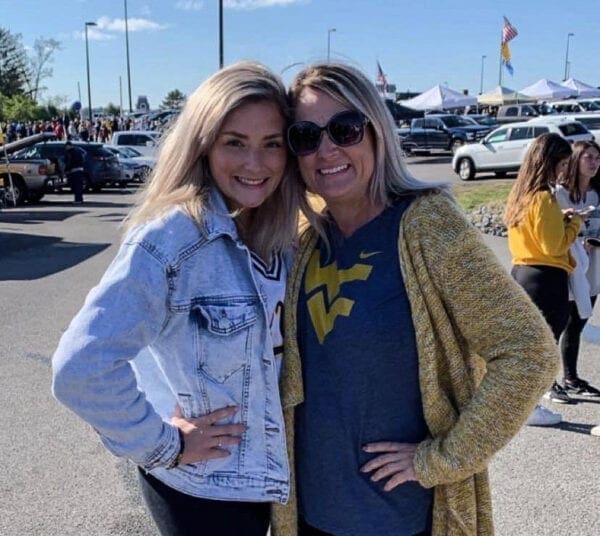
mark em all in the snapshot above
pixel 539 238
pixel 580 190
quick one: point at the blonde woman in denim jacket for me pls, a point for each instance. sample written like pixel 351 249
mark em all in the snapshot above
pixel 199 282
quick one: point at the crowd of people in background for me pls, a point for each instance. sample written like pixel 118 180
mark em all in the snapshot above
pixel 100 130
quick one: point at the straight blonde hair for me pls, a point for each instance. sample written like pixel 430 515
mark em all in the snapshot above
pixel 351 88
pixel 182 177
pixel 537 174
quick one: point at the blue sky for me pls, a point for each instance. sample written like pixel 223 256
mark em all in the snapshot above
pixel 174 43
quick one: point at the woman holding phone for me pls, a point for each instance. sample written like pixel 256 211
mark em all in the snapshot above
pixel 540 235
pixel 579 190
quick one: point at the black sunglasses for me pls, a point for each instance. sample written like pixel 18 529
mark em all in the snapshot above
pixel 344 129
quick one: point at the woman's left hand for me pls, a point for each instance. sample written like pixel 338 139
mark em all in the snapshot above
pixel 396 461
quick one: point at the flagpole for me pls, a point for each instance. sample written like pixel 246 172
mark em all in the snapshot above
pixel 500 66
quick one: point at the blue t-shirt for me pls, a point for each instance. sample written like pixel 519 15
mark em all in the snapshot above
pixel 360 367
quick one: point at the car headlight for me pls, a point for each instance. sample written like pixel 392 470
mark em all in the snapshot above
pixel 470 135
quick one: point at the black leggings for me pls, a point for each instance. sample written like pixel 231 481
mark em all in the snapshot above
pixel 179 514
pixel 548 288
pixel 569 344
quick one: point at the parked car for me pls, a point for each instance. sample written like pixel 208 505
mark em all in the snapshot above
pixel 27 179
pixel 590 120
pixel 443 132
pixel 511 113
pixel 144 141
pixel 134 165
pixel 574 107
pixel 503 149
pixel 101 167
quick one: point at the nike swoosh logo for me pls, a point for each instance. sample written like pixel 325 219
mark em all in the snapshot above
pixel 363 255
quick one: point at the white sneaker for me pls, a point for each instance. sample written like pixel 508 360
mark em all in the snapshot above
pixel 542 416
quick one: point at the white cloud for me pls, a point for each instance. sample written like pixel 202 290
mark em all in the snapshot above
pixel 255 4
pixel 190 5
pixel 93 35
pixel 133 24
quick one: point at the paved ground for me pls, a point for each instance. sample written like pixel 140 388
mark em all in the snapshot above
pixel 59 481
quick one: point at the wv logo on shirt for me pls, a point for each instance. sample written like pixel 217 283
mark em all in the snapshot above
pixel 327 304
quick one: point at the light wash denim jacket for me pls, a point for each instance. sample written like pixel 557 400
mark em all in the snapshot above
pixel 190 297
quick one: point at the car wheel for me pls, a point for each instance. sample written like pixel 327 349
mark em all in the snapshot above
pixel 466 169
pixel 500 173
pixel 145 171
pixel 456 145
pixel 17 194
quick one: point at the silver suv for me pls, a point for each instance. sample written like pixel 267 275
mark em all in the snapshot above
pixel 503 149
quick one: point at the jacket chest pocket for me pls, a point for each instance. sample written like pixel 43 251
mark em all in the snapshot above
pixel 224 338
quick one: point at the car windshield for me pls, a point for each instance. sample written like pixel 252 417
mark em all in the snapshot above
pixel 129 152
pixel 485 120
pixel 455 121
pixel 571 129
pixel 590 106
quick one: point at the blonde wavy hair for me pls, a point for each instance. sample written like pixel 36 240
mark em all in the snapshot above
pixel 537 174
pixel 351 88
pixel 182 176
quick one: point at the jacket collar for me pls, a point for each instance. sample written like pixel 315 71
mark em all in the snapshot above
pixel 216 218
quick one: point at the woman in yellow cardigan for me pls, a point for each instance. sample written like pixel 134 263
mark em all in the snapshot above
pixel 411 356
pixel 539 238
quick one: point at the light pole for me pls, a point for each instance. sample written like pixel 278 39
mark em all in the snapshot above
pixel 481 78
pixel 87 60
pixel 329 32
pixel 220 34
pixel 127 52
pixel 569 35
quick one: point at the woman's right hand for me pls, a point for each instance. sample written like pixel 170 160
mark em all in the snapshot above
pixel 203 439
pixel 568 213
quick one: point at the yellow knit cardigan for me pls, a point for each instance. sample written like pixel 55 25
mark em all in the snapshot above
pixel 485 357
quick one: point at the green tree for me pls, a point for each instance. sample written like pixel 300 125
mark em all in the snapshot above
pixel 17 108
pixel 112 109
pixel 38 68
pixel 13 64
pixel 174 99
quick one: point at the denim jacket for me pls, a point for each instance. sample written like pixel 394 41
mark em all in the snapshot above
pixel 189 296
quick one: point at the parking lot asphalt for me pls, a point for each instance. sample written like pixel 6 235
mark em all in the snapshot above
pixel 58 480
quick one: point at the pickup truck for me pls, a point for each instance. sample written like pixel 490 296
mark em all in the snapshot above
pixel 442 132
pixel 29 179
pixel 511 113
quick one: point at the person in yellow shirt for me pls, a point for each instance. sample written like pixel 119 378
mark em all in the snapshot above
pixel 539 237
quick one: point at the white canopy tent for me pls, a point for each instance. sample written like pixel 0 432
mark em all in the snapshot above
pixel 501 95
pixel 582 89
pixel 439 97
pixel 545 89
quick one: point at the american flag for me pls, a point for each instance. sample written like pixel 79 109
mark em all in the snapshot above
pixel 381 77
pixel 508 32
